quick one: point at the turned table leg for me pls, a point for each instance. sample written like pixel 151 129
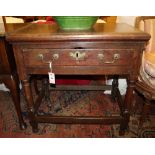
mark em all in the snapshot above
pixel 114 87
pixel 127 106
pixel 29 99
pixel 12 82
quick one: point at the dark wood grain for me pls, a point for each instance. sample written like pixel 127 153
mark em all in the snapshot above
pixel 48 32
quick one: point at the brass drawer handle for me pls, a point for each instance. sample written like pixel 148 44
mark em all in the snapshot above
pixel 55 56
pixel 78 55
pixel 40 57
pixel 116 56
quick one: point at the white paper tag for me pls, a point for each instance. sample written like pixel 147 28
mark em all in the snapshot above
pixel 51 78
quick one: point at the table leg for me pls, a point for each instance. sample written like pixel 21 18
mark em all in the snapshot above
pixel 29 99
pixel 47 93
pixel 12 82
pixel 127 106
pixel 114 86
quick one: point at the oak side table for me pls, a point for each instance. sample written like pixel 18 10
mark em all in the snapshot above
pixel 107 49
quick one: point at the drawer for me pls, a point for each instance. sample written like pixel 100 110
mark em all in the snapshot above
pixel 77 57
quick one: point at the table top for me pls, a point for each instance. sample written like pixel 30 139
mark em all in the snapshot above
pixel 100 31
pixel 4 29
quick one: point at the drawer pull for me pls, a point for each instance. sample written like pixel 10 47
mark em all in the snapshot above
pixel 40 57
pixel 116 56
pixel 55 56
pixel 78 55
pixel 100 56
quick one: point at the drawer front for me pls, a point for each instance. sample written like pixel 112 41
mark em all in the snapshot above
pixel 77 57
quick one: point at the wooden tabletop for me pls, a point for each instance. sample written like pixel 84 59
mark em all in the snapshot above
pixel 10 28
pixel 100 31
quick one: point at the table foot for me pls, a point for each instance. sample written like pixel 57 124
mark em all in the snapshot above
pixel 35 130
pixel 34 127
pixel 121 132
pixel 23 126
pixel 123 127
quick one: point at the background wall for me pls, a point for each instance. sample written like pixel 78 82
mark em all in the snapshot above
pixel 1 20
pixel 126 19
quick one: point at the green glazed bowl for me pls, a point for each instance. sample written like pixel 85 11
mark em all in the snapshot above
pixel 76 22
